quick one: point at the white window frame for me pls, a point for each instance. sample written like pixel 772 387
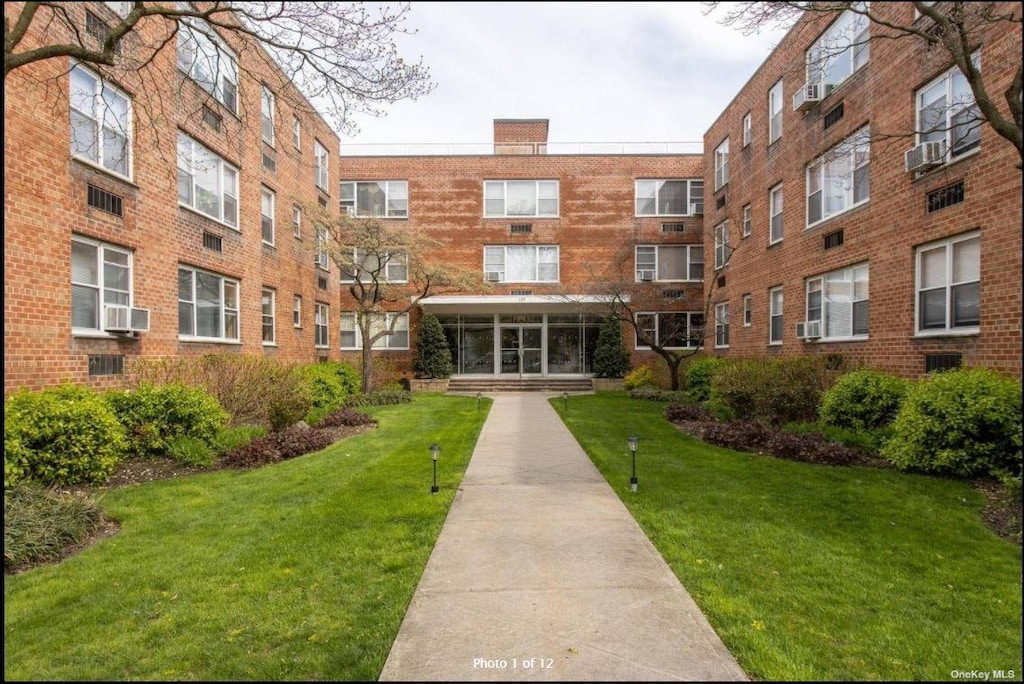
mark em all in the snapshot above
pixel 775 113
pixel 655 316
pixel 846 40
pixel 297 311
pixel 537 262
pixel 297 222
pixel 395 268
pixel 954 107
pixel 320 255
pixel 722 251
pixel 321 326
pixel 722 325
pixel 224 309
pixel 747 221
pixel 349 328
pixel 949 244
pixel 322 167
pixel 853 153
pixel 748 311
pixel 775 311
pixel 647 264
pixel 658 185
pixel 100 287
pixel 268 105
pixel 350 198
pixel 722 164
pixel 103 94
pixel 296 134
pixel 268 221
pixel 187 164
pixel 748 129
pixel 208 49
pixel 272 316
pixel 492 187
pixel 775 211
pixel 828 302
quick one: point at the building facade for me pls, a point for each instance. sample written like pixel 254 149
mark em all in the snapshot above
pixel 837 230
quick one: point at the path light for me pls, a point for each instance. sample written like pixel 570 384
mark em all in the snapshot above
pixel 479 396
pixel 633 442
pixel 435 450
pixel 565 398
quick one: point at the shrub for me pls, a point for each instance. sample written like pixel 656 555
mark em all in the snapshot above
pixel 611 359
pixel 699 374
pixel 639 377
pixel 277 446
pixel 433 357
pixel 328 384
pixel 384 397
pixel 64 435
pixel 154 414
pixel 190 451
pixel 234 437
pixel 345 418
pixel 863 399
pixel 648 393
pixel 771 390
pixel 40 524
pixel 867 441
pixel 960 422
pixel 686 412
pixel 754 437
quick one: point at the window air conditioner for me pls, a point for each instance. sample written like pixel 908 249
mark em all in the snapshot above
pixel 807 97
pixel 696 209
pixel 645 276
pixel 124 319
pixel 492 276
pixel 925 156
pixel 808 330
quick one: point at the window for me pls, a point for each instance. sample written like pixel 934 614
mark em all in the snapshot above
pixel 206 182
pixel 669 197
pixel 297 222
pixel 320 172
pixel 669 329
pixel 947 113
pixel 839 300
pixel 722 325
pixel 670 262
pixel 775 211
pixel 267 216
pixel 775 113
pixel 296 133
pixel 203 56
pixel 100 274
pixel 398 338
pixel 839 180
pixel 746 220
pixel 748 313
pixel 722 165
pixel 379 199
pixel 320 249
pixel 207 305
pixel 948 285
pixel 297 311
pixel 388 267
pixel 269 306
pixel 321 335
pixel 774 316
pixel 747 132
pixel 841 50
pixel 101 121
pixel 722 251
pixel 267 111
pixel 520 198
pixel 521 264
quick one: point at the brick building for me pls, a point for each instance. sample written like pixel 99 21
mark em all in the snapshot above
pixel 167 218
pixel 836 230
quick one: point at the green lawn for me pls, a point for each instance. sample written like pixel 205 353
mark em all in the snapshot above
pixel 812 572
pixel 297 571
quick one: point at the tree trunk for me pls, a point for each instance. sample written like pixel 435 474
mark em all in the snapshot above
pixel 367 358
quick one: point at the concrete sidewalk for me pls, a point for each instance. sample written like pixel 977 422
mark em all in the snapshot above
pixel 540 573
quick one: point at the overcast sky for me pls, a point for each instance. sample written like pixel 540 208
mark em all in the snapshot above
pixel 599 71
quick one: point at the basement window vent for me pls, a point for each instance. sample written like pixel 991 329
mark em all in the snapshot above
pixel 322 201
pixel 720 202
pixel 672 227
pixel 521 293
pixel 212 118
pixel 106 364
pixel 520 228
pixel 99 29
pixel 270 161
pixel 672 294
pixel 941 362
pixel 833 115
pixel 833 239
pixel 214 242
pixel 721 281
pixel 321 282
pixel 946 197
pixel 105 201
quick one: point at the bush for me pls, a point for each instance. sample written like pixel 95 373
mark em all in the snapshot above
pixel 699 375
pixel 648 393
pixel 433 357
pixel 686 412
pixel 65 435
pixel 611 359
pixel 639 377
pixel 384 397
pixel 154 414
pixel 345 418
pixel 39 524
pixel 278 446
pixel 960 422
pixel 190 451
pixel 234 437
pixel 863 399
pixel 771 390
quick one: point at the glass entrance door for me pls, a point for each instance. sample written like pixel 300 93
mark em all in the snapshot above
pixel 521 350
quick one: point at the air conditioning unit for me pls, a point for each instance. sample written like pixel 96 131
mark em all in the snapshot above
pixel 645 276
pixel 807 97
pixel 696 209
pixel 124 319
pixel 808 330
pixel 492 276
pixel 925 156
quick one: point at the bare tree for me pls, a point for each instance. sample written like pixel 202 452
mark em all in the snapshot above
pixel 954 30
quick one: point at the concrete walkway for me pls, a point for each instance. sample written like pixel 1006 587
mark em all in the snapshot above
pixel 540 573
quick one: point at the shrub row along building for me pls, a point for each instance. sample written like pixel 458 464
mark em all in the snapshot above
pixel 165 210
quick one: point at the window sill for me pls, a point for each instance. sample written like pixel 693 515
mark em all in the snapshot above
pixel 219 222
pixel 773 345
pixel 88 333
pixel 270 344
pixel 836 340
pixel 774 244
pixel 207 340
pixel 844 212
pixel 927 334
pixel 944 168
pixel 93 166
pixel 271 245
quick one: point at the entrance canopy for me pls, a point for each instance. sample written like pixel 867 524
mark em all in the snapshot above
pixel 489 304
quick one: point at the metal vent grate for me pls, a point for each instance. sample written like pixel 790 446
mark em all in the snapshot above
pixel 104 201
pixel 833 239
pixel 721 281
pixel 321 282
pixel 270 161
pixel 521 293
pixel 520 228
pixel 833 115
pixel 672 227
pixel 214 242
pixel 720 202
pixel 941 362
pixel 946 197
pixel 212 118
pixel 672 294
pixel 106 364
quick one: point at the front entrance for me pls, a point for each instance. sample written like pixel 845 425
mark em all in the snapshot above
pixel 521 349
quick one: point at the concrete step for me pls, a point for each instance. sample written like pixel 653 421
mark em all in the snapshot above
pixel 548 384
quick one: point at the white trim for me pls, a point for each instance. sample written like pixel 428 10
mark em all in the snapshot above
pixel 772 214
pixel 195 323
pixel 273 316
pixel 772 314
pixel 100 246
pixel 947 244
pixel 638 346
pixel 352 204
pixel 267 192
pixel 536 195
pixel 657 275
pixel 722 164
pixel 100 104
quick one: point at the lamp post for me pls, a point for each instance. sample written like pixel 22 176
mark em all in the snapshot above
pixel 565 398
pixel 633 441
pixel 435 449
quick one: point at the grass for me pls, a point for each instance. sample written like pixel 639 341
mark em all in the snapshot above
pixel 812 572
pixel 298 571
pixel 40 524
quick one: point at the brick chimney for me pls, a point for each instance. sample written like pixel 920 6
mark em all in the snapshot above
pixel 520 136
